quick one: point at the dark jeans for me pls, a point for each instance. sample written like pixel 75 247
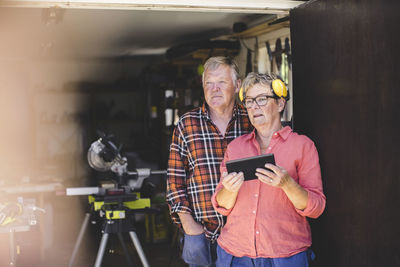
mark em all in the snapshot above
pixel 199 251
pixel 301 259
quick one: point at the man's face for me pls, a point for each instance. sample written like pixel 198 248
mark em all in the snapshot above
pixel 219 87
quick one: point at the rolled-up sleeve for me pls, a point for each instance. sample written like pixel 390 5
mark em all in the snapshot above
pixel 216 206
pixel 309 172
pixel 176 176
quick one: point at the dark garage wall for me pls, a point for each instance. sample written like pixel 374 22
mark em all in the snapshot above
pixel 346 98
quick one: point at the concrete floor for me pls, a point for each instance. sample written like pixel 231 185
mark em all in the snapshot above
pixel 156 254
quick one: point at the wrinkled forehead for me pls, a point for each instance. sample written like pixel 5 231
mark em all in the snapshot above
pixel 221 71
pixel 258 89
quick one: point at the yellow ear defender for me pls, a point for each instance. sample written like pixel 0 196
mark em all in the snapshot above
pixel 278 87
pixel 241 95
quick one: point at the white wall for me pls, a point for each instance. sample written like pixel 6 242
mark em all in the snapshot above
pixel 38 118
pixel 261 57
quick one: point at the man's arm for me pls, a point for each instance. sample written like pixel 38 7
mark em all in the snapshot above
pixel 190 226
pixel 176 176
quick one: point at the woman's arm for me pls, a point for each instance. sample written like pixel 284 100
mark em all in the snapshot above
pixel 306 192
pixel 231 182
pixel 279 177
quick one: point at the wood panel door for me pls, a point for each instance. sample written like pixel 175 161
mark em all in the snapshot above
pixel 346 78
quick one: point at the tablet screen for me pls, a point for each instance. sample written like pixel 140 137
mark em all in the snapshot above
pixel 249 165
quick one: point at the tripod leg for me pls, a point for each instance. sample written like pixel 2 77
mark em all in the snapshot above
pixel 139 249
pixel 102 248
pixel 79 239
pixel 12 248
pixel 128 259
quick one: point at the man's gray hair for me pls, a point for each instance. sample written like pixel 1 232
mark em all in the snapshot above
pixel 214 62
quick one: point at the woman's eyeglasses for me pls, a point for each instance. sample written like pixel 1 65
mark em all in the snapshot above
pixel 261 100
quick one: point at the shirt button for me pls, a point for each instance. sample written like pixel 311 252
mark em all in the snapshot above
pixel 257 232
pixel 269 147
pixel 275 133
pixel 256 195
pixel 254 211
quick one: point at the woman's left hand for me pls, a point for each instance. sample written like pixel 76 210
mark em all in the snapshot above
pixel 277 177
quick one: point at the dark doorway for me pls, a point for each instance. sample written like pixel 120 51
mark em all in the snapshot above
pixel 346 78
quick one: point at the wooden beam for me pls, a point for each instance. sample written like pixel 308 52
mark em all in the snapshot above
pixel 233 6
pixel 261 29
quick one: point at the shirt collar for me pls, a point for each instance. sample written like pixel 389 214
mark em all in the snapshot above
pixel 283 133
pixel 206 114
pixel 204 111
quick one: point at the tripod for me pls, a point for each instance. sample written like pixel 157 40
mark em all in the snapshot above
pixel 117 212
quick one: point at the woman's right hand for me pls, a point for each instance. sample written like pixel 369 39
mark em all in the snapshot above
pixel 232 181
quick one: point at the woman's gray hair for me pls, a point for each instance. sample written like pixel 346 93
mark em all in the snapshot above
pixel 214 62
pixel 254 78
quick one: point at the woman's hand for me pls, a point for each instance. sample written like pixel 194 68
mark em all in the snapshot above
pixel 232 181
pixel 277 177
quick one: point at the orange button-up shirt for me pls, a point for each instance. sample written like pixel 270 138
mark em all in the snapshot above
pixel 263 222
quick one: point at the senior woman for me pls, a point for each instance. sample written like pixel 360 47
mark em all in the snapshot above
pixel 266 217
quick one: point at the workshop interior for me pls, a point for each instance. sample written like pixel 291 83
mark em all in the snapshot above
pixel 90 93
pixel 92 98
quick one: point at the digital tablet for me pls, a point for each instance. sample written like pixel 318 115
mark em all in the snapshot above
pixel 249 165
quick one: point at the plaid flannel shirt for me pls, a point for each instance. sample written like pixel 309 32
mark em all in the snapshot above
pixel 196 151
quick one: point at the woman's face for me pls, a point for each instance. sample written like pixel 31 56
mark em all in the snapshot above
pixel 265 115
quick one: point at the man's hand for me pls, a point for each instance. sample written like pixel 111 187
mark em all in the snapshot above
pixel 190 226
